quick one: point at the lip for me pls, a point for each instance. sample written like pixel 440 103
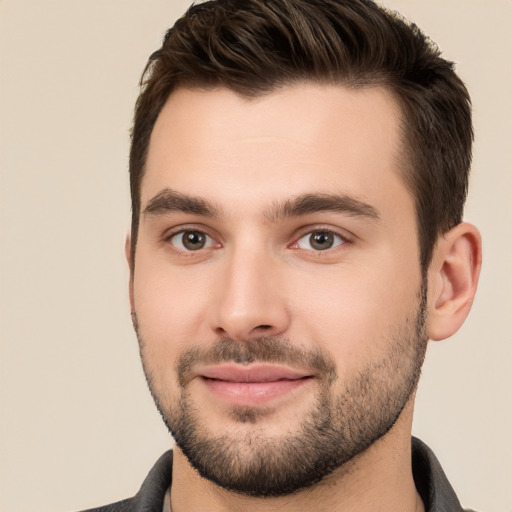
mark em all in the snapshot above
pixel 254 373
pixel 252 385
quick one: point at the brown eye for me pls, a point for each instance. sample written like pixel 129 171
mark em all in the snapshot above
pixel 320 241
pixel 191 240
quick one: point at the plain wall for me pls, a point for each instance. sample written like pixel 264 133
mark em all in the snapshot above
pixel 77 425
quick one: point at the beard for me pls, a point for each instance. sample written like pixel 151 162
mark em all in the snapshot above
pixel 344 420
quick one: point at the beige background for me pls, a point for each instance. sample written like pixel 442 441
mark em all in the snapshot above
pixel 77 425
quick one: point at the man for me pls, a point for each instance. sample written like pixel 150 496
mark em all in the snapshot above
pixel 298 174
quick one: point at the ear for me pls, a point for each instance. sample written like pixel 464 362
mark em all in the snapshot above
pixel 453 278
pixel 128 256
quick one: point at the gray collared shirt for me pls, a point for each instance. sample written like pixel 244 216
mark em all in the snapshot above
pixel 431 482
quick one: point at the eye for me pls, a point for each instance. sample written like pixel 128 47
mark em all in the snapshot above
pixel 191 240
pixel 320 240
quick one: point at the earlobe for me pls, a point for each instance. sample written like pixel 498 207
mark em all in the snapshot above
pixel 453 279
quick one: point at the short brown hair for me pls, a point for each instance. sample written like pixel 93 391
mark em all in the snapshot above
pixel 252 47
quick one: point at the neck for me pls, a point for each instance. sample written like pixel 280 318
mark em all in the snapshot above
pixel 380 478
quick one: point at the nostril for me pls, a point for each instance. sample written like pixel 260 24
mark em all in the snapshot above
pixel 265 327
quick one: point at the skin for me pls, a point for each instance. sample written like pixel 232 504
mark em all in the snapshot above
pixel 259 276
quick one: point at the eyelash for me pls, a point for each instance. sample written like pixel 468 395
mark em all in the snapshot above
pixel 338 239
pixel 189 229
pixel 343 239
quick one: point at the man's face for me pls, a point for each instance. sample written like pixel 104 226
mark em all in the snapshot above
pixel 276 290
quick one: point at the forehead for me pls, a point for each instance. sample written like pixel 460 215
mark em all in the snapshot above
pixel 306 138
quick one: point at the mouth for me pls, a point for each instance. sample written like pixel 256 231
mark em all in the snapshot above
pixel 252 385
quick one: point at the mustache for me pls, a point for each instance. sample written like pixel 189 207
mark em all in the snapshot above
pixel 264 349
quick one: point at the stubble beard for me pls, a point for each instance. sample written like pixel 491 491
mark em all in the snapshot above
pixel 341 425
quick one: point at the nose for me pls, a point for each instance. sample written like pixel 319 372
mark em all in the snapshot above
pixel 251 299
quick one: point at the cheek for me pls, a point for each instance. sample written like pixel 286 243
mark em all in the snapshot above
pixel 353 311
pixel 169 307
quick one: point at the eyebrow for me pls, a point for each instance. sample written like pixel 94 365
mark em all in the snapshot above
pixel 170 201
pixel 316 203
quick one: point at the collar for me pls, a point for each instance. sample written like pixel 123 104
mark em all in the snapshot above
pixel 431 482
